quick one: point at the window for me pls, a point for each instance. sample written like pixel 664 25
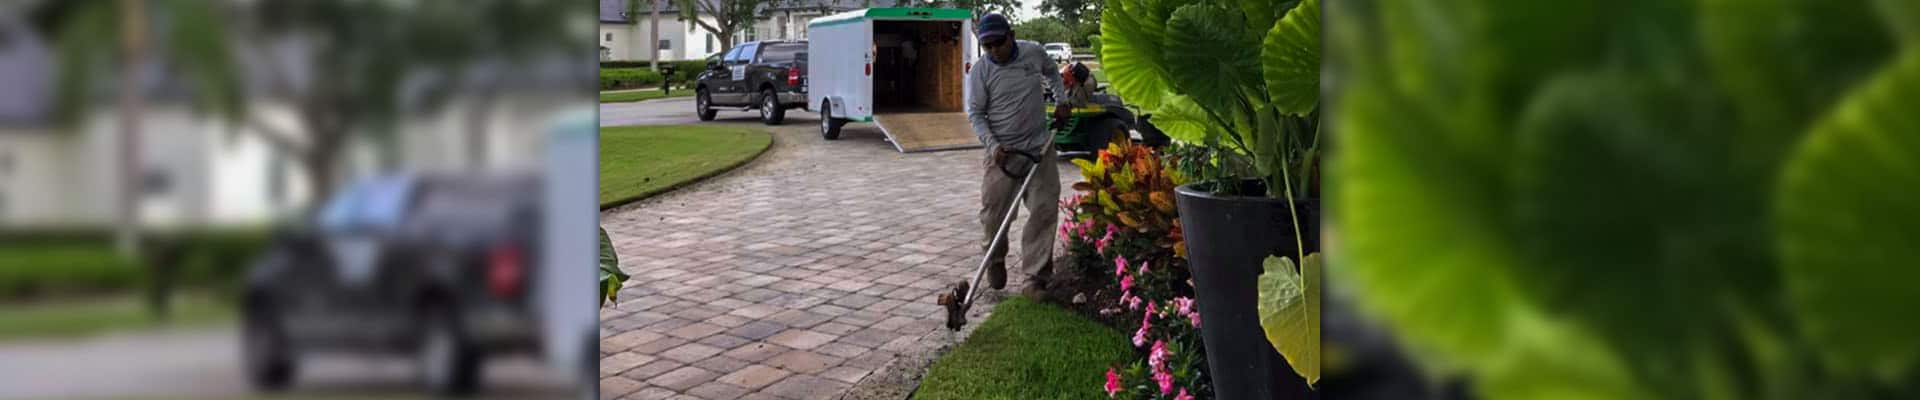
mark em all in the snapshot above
pixel 747 52
pixel 709 42
pixel 732 56
pixel 783 52
pixel 783 26
pixel 666 44
pixel 609 36
pixel 605 53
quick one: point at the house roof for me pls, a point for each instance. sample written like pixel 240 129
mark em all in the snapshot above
pixel 25 66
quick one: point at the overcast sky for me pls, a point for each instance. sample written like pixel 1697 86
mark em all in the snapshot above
pixel 1029 9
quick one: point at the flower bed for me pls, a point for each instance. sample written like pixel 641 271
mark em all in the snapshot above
pixel 1127 256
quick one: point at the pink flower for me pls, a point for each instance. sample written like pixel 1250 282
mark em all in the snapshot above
pixel 1133 302
pixel 1140 336
pixel 1195 319
pixel 1119 265
pixel 1113 383
pixel 1143 268
pixel 1183 395
pixel 1183 304
pixel 1165 380
pixel 1101 246
pixel 1126 283
pixel 1151 311
pixel 1158 357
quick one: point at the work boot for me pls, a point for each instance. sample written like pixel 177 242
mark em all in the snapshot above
pixel 997 275
pixel 1038 283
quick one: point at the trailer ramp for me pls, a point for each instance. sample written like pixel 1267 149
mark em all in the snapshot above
pixel 918 131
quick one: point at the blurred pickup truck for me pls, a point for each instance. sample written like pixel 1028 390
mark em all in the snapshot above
pixel 438 267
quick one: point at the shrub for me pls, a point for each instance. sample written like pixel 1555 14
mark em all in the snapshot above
pixel 683 71
pixel 627 78
pixel 40 263
pixel 1123 229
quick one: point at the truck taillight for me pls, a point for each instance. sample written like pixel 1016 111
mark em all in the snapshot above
pixel 793 76
pixel 966 68
pixel 506 271
pixel 869 69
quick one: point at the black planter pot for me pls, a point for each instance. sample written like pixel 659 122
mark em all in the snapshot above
pixel 1228 238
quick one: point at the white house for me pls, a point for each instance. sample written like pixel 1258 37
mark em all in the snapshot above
pixel 624 35
pixel 198 170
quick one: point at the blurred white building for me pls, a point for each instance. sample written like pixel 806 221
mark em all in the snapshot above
pixel 199 170
pixel 625 36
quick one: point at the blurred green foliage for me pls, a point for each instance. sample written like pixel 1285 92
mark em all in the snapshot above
pixel 1634 199
pixel 68 263
pixel 628 78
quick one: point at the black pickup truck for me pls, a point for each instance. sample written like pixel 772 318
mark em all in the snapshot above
pixel 770 76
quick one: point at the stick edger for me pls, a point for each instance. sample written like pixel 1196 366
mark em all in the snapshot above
pixel 958 301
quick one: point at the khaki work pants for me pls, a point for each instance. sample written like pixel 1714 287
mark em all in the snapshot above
pixel 1043 211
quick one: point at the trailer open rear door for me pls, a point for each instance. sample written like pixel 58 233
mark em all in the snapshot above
pixel 927 131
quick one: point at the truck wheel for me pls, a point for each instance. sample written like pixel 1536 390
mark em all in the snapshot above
pixel 449 363
pixel 770 111
pixel 703 105
pixel 829 126
pixel 265 350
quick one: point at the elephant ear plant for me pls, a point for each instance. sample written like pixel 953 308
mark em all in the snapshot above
pixel 1236 82
pixel 1592 199
pixel 610 275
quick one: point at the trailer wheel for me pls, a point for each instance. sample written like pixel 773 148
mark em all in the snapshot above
pixel 770 111
pixel 829 126
pixel 703 105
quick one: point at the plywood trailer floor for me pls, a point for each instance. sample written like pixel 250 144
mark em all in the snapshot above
pixel 919 104
pixel 917 131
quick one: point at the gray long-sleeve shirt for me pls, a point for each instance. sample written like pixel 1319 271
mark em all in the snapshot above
pixel 1005 103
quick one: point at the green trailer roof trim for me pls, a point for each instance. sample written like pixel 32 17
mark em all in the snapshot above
pixel 894 13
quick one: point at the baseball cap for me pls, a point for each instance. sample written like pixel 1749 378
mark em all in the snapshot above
pixel 992 25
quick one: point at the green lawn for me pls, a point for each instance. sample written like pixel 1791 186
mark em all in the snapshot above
pixel 640 161
pixel 638 95
pixel 82 317
pixel 1028 350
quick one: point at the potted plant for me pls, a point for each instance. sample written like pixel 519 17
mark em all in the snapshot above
pixel 1239 84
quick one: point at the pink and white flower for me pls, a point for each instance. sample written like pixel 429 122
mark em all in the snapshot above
pixel 1113 383
pixel 1158 357
pixel 1165 379
pixel 1126 283
pixel 1120 266
pixel 1183 395
pixel 1140 336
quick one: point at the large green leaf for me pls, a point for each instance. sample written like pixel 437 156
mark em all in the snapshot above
pixel 1215 62
pixel 1848 226
pixel 1290 312
pixel 611 278
pixel 1183 120
pixel 1290 60
pixel 1131 33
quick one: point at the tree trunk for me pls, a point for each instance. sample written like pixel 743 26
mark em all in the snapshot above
pixel 477 145
pixel 653 57
pixel 133 45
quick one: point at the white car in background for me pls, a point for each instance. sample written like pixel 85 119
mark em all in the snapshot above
pixel 1061 53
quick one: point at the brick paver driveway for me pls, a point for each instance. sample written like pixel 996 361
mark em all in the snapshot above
pixel 794 277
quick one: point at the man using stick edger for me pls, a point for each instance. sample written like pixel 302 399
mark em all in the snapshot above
pixel 1006 107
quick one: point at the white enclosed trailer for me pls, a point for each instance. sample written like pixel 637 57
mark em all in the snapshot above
pixel 903 69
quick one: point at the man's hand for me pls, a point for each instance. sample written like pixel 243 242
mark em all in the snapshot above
pixel 999 155
pixel 1060 114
